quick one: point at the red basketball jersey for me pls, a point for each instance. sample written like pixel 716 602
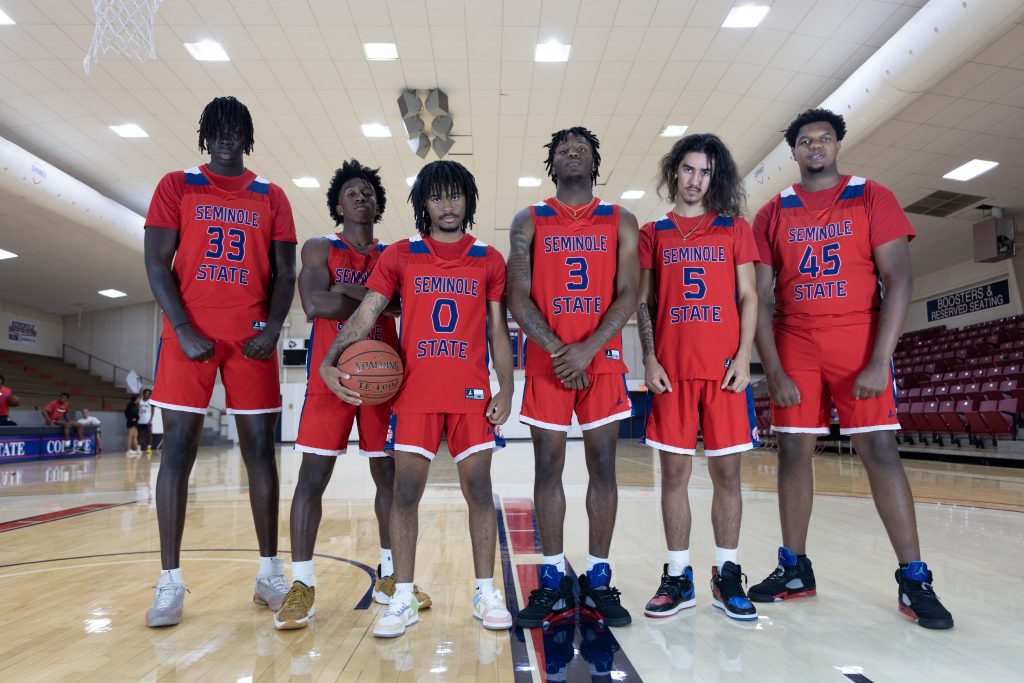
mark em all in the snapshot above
pixel 443 340
pixel 574 267
pixel 697 321
pixel 225 224
pixel 820 247
pixel 350 267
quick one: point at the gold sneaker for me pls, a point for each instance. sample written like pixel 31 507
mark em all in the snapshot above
pixel 297 607
pixel 385 588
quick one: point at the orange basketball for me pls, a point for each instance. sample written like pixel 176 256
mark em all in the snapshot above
pixel 375 370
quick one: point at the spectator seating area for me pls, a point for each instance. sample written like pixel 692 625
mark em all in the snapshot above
pixel 956 387
pixel 37 380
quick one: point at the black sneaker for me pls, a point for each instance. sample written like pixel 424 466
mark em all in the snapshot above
pixel 549 606
pixel 602 603
pixel 917 599
pixel 674 593
pixel 727 592
pixel 793 578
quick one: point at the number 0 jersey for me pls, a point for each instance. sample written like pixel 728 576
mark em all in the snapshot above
pixel 820 246
pixel 443 341
pixel 347 266
pixel 574 267
pixel 697 321
pixel 225 225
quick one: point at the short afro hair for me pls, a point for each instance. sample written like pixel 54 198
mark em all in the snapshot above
pixel 225 114
pixel 561 136
pixel 351 170
pixel 439 177
pixel 813 116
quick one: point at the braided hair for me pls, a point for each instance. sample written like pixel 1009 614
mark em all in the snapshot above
pixel 440 177
pixel 225 114
pixel 561 136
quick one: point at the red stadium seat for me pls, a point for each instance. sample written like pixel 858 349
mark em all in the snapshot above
pixel 990 391
pixel 927 393
pixel 941 392
pixel 1012 388
pixel 1000 416
pixel 972 391
pixel 964 376
pixel 956 392
pixel 918 422
pixel 954 420
pixel 914 395
pixel 979 428
pixel 933 418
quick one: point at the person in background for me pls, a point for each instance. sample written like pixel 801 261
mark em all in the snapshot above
pixel 7 401
pixel 88 420
pixel 131 419
pixel 145 423
pixel 56 413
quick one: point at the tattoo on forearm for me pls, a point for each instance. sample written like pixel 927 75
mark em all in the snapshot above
pixel 358 326
pixel 645 328
pixel 524 310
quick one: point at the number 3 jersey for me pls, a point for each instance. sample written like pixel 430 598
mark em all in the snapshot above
pixel 225 225
pixel 697 321
pixel 574 268
pixel 820 245
pixel 445 287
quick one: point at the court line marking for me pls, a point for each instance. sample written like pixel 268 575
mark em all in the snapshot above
pixel 522 668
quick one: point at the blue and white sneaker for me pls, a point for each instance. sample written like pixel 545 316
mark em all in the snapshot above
pixel 727 592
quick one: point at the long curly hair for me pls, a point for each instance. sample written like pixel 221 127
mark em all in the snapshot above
pixel 725 195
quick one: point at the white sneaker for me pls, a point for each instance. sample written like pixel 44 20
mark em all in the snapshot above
pixel 399 614
pixel 270 590
pixel 489 607
pixel 168 605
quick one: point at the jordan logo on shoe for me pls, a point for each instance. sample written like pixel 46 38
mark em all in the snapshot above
pixel 548 572
pixel 602 571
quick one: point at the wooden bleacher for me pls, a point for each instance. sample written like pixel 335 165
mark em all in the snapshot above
pixel 37 380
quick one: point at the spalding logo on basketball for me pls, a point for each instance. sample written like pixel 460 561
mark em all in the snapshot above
pixel 375 371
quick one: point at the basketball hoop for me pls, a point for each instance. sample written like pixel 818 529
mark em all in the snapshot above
pixel 124 26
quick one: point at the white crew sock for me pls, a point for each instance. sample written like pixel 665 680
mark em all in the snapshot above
pixel 403 593
pixel 723 555
pixel 485 585
pixel 270 566
pixel 170 576
pixel 678 560
pixel 303 571
pixel 387 563
pixel 557 560
pixel 592 561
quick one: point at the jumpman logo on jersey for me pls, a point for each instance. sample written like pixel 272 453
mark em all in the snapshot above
pixel 619 402
pixel 890 413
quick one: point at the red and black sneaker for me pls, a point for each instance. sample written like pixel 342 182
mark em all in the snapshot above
pixel 793 578
pixel 917 599
pixel 675 593
pixel 549 606
pixel 601 604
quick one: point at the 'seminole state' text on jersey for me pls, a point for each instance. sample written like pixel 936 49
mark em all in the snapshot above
pixel 443 330
pixel 697 324
pixel 823 260
pixel 574 268
pixel 347 266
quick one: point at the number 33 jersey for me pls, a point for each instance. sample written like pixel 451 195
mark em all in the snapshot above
pixel 574 266
pixel 225 226
pixel 821 247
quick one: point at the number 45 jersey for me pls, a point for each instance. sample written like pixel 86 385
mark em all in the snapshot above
pixel 574 267
pixel 225 226
pixel 821 247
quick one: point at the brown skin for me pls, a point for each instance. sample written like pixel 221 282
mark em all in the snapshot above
pixel 573 164
pixel 816 153
pixel 447 211
pixel 182 429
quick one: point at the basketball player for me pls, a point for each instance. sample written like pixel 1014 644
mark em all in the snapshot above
pixel 7 401
pixel 452 291
pixel 829 247
pixel 55 413
pixel 331 285
pixel 220 255
pixel 573 275
pixel 696 320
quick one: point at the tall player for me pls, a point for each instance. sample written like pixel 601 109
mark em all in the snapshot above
pixel 220 255
pixel 452 291
pixel 696 320
pixel 331 285
pixel 829 247
pixel 573 277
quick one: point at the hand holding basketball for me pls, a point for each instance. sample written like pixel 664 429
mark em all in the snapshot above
pixel 371 370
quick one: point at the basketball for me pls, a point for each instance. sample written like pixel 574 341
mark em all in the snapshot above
pixel 374 369
pixel 13 401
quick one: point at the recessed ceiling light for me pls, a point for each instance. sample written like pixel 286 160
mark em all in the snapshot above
pixel 745 16
pixel 112 293
pixel 410 180
pixel 380 51
pixel 207 51
pixel 129 130
pixel 551 51
pixel 972 169
pixel 376 130
pixel 5 20
pixel 306 182
pixel 529 182
pixel 632 194
pixel 7 254
pixel 673 131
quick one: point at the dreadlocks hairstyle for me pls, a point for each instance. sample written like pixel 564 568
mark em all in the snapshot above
pixel 726 195
pixel 813 116
pixel 560 137
pixel 350 170
pixel 440 177
pixel 225 114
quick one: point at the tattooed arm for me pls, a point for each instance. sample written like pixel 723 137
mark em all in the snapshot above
pixel 520 278
pixel 654 374
pixel 575 358
pixel 356 328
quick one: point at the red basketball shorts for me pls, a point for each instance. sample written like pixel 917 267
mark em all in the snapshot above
pixel 251 386
pixel 725 419
pixel 824 364
pixel 549 405
pixel 466 433
pixel 326 424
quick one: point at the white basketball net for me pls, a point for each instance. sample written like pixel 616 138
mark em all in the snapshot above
pixel 124 26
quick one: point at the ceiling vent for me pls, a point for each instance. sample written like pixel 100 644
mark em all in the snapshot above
pixel 941 203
